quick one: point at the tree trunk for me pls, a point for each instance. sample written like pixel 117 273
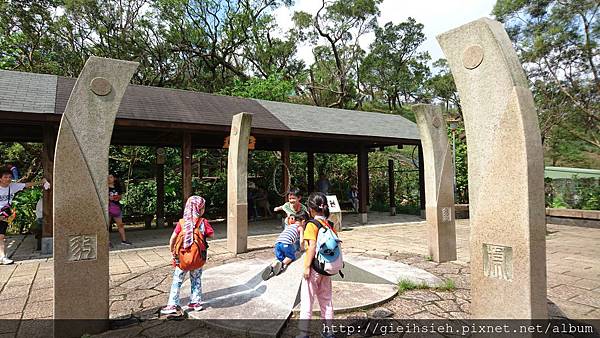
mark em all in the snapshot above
pixel 589 53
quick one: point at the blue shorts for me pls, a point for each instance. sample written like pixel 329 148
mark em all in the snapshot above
pixel 283 250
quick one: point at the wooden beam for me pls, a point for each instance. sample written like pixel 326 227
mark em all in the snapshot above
pixel 285 158
pixel 160 195
pixel 300 135
pixel 49 143
pixel 363 179
pixel 392 187
pixel 28 128
pixel 421 180
pixel 368 185
pixel 310 172
pixel 186 163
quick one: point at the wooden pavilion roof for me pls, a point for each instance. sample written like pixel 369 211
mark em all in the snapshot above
pixel 158 116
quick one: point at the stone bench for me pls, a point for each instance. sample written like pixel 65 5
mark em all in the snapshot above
pixel 576 217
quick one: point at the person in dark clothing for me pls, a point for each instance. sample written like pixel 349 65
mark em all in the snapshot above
pixel 114 206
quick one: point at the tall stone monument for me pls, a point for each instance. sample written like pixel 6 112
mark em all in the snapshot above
pixel 80 198
pixel 237 183
pixel 506 174
pixel 439 175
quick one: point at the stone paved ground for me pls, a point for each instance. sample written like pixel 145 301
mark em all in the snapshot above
pixel 21 248
pixel 140 278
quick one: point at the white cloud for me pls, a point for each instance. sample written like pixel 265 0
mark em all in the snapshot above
pixel 437 16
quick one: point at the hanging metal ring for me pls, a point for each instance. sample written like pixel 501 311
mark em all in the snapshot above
pixel 289 182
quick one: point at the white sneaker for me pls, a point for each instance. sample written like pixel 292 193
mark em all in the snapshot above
pixel 6 261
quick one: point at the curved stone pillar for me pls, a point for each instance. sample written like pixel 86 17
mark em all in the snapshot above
pixel 439 175
pixel 80 200
pixel 237 183
pixel 506 174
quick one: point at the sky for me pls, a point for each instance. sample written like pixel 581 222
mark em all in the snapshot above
pixel 437 16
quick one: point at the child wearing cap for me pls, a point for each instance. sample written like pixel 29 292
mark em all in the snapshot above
pixel 287 244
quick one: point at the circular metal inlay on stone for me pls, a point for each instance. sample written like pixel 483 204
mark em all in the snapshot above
pixel 472 57
pixel 436 122
pixel 100 86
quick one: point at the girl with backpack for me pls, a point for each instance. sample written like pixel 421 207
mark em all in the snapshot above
pixel 189 248
pixel 322 252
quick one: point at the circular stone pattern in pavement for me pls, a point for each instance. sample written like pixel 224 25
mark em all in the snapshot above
pixel 236 291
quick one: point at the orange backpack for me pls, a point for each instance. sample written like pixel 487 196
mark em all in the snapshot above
pixel 195 255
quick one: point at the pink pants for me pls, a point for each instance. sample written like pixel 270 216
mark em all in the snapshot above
pixel 316 286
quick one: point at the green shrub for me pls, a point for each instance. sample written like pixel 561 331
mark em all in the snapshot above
pixel 25 202
pixel 140 198
pixel 214 192
pixel 575 193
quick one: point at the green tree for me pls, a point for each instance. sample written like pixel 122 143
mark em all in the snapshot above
pixel 273 88
pixel 557 42
pixel 126 30
pixel 339 24
pixel 442 86
pixel 268 54
pixel 393 66
pixel 26 30
pixel 214 39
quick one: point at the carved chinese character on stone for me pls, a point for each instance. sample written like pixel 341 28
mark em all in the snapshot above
pixel 497 261
pixel 446 214
pixel 82 247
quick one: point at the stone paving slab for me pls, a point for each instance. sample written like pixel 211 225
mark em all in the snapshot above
pixel 405 243
pixel 22 247
pixel 237 291
pixel 394 272
pixel 350 296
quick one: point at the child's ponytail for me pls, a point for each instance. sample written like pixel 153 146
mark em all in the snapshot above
pixel 317 201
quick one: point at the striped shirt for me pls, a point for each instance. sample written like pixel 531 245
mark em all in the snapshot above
pixel 289 235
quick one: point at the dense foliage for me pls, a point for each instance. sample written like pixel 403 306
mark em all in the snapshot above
pixel 573 193
pixel 558 42
pixel 235 47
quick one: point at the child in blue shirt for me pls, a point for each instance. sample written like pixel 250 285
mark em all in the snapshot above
pixel 287 244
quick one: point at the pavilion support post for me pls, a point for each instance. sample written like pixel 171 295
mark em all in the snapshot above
pixel 310 172
pixel 186 162
pixel 49 142
pixel 363 182
pixel 237 184
pixel 285 158
pixel 392 187
pixel 160 195
pixel 368 178
pixel 421 181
